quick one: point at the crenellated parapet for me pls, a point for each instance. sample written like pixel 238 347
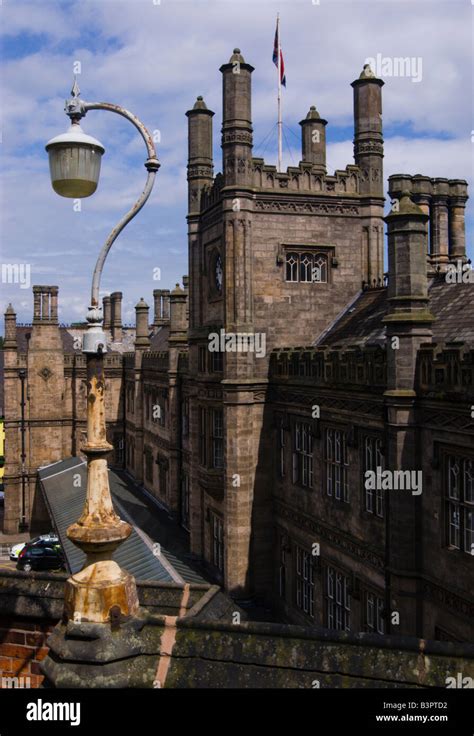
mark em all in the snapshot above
pixel 156 360
pixel 446 369
pixel 305 178
pixel 331 366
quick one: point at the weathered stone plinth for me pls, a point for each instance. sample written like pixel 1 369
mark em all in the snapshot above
pixel 92 593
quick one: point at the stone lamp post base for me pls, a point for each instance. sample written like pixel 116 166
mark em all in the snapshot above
pixel 91 594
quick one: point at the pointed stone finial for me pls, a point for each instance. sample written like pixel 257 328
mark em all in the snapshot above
pixel 367 72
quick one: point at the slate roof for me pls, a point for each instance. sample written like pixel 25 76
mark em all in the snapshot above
pixel 361 324
pixel 65 501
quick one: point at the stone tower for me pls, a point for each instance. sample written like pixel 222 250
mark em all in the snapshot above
pixel 408 322
pixel 274 255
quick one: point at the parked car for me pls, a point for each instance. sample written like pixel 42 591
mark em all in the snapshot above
pixel 45 539
pixel 40 557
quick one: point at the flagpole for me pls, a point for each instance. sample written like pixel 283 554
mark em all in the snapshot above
pixel 279 97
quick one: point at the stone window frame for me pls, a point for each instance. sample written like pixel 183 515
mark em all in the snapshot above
pixel 305 580
pixel 378 496
pixel 344 498
pixel 378 625
pixel 302 250
pixel 460 503
pixel 337 608
pixel 302 452
pixel 216 539
pixel 185 501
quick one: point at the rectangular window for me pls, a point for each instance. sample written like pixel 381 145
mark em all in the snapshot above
pixel 149 464
pixel 185 417
pixel 373 459
pixel 304 581
pixel 118 449
pixel 336 464
pixel 202 359
pixel 303 454
pixel 282 566
pixel 374 620
pixel 217 362
pixel 185 501
pixel 338 600
pixel 217 438
pixel 281 450
pixel 459 496
pixel 306 267
pixel 217 532
pixel 202 435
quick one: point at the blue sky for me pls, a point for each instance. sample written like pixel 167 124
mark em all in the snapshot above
pixel 154 58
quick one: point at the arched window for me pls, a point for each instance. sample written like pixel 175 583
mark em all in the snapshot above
pixel 292 267
pixel 306 267
pixel 320 269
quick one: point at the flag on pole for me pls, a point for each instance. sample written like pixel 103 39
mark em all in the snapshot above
pixel 277 46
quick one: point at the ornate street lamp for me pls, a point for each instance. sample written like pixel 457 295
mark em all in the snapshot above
pixel 101 589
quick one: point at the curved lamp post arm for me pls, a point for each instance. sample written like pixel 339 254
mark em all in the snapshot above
pixel 152 165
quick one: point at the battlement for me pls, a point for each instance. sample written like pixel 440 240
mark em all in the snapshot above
pixel 333 366
pixel 307 178
pixel 157 360
pixel 446 369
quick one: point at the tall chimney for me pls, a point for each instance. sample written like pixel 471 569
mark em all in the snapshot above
pixel 107 312
pixel 178 320
pixel 457 226
pixel 186 289
pixel 313 139
pixel 165 305
pixel 45 299
pixel 200 163
pixel 10 342
pixel 439 223
pixel 116 303
pixel 237 139
pixel 142 334
pixel 368 141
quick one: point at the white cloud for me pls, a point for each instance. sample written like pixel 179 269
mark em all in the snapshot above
pixel 154 60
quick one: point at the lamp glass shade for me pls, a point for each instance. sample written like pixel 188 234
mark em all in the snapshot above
pixel 74 163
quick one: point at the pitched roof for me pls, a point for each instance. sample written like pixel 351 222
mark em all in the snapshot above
pixel 64 489
pixel 361 323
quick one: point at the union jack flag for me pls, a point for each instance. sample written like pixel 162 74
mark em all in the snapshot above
pixel 275 57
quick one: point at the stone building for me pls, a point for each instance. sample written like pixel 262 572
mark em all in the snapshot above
pixel 307 418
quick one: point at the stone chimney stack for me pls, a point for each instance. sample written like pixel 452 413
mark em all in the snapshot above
pixel 368 141
pixel 178 319
pixel 457 227
pixel 200 163
pixel 116 316
pixel 107 312
pixel 186 289
pixel 45 300
pixel 161 298
pixel 142 335
pixel 313 139
pixel 237 139
pixel 368 154
pixel 10 342
pixel 408 318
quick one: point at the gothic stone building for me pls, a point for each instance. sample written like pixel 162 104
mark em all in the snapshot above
pixel 262 455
